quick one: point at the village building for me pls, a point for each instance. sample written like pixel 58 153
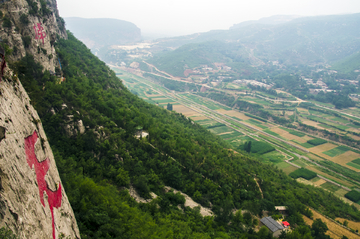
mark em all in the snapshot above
pixel 275 227
pixel 282 210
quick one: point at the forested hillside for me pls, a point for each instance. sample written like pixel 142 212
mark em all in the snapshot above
pixel 97 164
pixel 101 32
pixel 301 42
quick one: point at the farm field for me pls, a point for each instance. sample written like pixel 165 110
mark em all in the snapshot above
pixel 335 230
pixel 214 116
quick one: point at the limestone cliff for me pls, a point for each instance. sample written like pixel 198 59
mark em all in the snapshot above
pixel 31 27
pixel 25 188
pixel 33 202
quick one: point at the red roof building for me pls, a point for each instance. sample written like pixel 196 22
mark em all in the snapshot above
pixel 285 223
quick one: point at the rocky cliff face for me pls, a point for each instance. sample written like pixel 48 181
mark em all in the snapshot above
pixel 31 27
pixel 33 203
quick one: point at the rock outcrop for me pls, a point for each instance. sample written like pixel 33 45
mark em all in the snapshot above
pixel 33 202
pixel 31 27
pixel 26 189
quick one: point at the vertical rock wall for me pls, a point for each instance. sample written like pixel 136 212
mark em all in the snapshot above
pixel 30 186
pixel 28 27
pixel 33 203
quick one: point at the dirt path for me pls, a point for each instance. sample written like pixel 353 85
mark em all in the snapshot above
pixel 257 183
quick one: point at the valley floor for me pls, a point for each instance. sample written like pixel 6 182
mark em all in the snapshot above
pixel 291 148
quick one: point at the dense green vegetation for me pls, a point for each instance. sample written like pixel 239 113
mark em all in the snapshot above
pixel 357 161
pixel 353 196
pixel 340 169
pixel 304 173
pixel 317 141
pixel 96 167
pixel 7 234
pixel 257 147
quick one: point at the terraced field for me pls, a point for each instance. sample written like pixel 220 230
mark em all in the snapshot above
pixel 238 128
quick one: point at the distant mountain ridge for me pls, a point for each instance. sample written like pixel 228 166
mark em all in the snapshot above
pixel 99 32
pixel 301 41
pixel 273 20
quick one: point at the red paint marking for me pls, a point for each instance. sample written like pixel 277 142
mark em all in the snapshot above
pixel 41 168
pixel 39 31
pixel 3 65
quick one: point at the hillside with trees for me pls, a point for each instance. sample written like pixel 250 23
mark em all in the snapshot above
pixel 97 165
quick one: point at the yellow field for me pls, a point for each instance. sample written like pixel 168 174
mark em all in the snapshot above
pixel 354 136
pixel 302 110
pixel 351 224
pixel 345 158
pixel 341 192
pixel 184 110
pixel 306 137
pixel 154 99
pixel 304 181
pixel 345 183
pixel 226 133
pixel 199 117
pixel 287 135
pixel 289 169
pixel 319 182
pixel 234 113
pixel 335 231
pixel 322 148
pixel 314 157
pixel 155 95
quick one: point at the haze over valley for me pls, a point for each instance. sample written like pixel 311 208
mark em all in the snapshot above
pixel 186 119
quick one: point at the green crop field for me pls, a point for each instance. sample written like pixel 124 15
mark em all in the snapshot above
pixel 206 122
pixel 336 151
pixel 341 120
pixel 163 101
pixel 296 133
pixel 353 196
pixel 354 165
pixel 256 123
pixel 329 186
pixel 316 141
pixel 259 147
pixel 325 126
pixel 305 145
pixel 206 103
pixel 274 157
pixel 222 129
pixel 304 173
pixel 231 135
pixel 357 161
pixel 272 133
pixel 160 96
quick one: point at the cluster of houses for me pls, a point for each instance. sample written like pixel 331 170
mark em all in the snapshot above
pixel 276 226
pixel 252 82
pixel 318 83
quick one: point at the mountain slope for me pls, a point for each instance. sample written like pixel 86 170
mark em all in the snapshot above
pixel 100 32
pixel 97 164
pixel 91 120
pixel 307 40
pixel 32 198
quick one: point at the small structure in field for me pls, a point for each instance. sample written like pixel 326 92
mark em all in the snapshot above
pixel 275 227
pixel 282 210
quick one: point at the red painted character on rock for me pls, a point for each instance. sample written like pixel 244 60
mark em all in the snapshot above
pixel 41 168
pixel 40 34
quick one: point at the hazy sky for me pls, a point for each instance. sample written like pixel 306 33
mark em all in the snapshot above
pixel 190 16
